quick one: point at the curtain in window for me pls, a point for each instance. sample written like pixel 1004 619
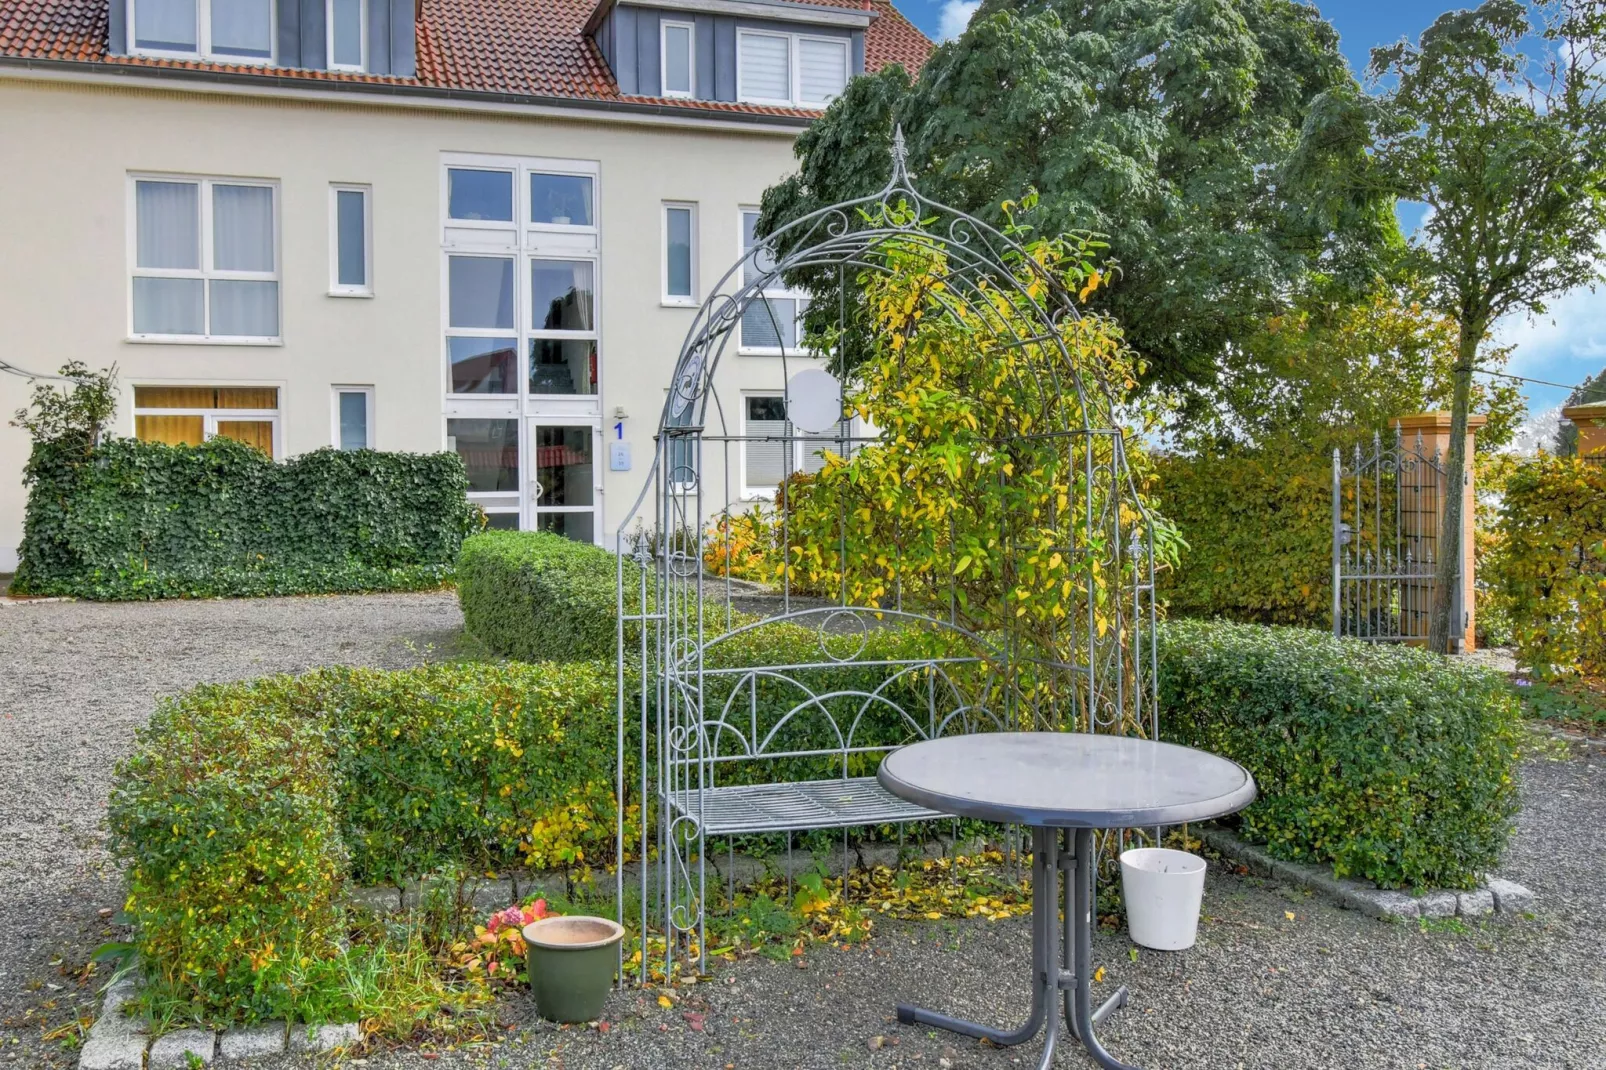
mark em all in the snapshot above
pixel 346 29
pixel 171 430
pixel 165 24
pixel 245 309
pixel 822 69
pixel 167 219
pixel 242 228
pixel 564 200
pixel 770 323
pixel 168 306
pixel 765 66
pixel 242 27
pixel 258 434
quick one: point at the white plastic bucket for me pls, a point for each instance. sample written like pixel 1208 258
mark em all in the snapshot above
pixel 1163 891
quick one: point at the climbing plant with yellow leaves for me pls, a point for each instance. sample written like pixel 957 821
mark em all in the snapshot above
pixel 1001 491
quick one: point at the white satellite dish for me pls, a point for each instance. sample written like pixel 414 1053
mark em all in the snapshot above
pixel 814 401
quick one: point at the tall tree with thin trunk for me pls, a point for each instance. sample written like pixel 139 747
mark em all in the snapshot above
pixel 1497 123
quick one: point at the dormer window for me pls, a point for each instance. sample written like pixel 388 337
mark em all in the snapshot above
pixel 227 31
pixel 790 69
pixel 348 35
pixel 679 58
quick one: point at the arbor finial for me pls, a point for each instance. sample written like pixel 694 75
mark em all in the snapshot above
pixel 900 154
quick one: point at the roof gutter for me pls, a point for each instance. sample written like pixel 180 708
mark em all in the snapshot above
pixel 392 94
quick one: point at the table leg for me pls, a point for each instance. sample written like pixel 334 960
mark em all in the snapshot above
pixel 1079 935
pixel 1048 977
pixel 1045 905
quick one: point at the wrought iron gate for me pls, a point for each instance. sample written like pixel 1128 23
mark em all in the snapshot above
pixel 1387 506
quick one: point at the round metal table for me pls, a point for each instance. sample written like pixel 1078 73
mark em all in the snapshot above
pixel 1052 781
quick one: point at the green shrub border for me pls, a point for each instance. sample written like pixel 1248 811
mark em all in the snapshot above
pixel 1391 763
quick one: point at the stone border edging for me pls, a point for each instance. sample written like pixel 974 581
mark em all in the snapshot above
pixel 1495 895
pixel 119 1042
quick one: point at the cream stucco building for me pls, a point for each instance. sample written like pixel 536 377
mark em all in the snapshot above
pixel 494 244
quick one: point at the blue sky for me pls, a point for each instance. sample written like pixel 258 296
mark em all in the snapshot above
pixel 1566 345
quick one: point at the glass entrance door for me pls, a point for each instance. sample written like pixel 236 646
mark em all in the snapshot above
pixel 566 482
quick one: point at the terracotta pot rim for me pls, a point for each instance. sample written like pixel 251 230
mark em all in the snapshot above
pixel 534 937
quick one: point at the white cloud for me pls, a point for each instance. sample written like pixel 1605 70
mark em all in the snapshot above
pixel 1565 345
pixel 955 17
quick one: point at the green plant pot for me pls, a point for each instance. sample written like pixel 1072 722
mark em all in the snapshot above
pixel 572 961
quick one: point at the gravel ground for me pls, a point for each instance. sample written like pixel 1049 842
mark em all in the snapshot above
pixel 1326 988
pixel 75 680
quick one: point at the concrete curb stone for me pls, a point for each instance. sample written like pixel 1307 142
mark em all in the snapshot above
pixel 252 1041
pixel 1506 897
pixel 174 1050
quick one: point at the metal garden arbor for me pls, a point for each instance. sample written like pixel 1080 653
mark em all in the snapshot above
pixel 758 715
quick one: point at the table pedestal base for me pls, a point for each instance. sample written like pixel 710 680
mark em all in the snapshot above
pixel 1050 975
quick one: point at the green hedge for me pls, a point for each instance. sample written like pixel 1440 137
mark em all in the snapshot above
pixel 537 596
pixel 139 520
pixel 246 808
pixel 1391 763
pixel 1259 529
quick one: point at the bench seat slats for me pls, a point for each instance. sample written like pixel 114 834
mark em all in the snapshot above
pixel 810 804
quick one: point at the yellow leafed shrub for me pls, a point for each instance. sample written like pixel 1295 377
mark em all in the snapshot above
pixel 1550 564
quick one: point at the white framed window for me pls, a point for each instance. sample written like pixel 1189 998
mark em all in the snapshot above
pixel 224 31
pixel 790 69
pixel 772 321
pixel 520 278
pixel 346 23
pixel 351 241
pixel 189 415
pixel 203 257
pixel 772 449
pixel 677 59
pixel 680 253
pixel 353 417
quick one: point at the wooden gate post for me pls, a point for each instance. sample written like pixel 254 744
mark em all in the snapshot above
pixel 1421 523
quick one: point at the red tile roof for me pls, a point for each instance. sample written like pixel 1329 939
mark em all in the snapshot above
pixel 522 48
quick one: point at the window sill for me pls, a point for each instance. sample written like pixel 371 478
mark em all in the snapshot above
pixel 351 293
pixel 672 302
pixel 198 340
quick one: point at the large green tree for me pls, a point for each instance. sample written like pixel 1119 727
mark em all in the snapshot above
pixel 1497 123
pixel 1164 126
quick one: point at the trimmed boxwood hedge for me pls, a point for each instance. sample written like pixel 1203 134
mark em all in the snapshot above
pixel 537 596
pixel 139 520
pixel 245 809
pixel 1392 763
